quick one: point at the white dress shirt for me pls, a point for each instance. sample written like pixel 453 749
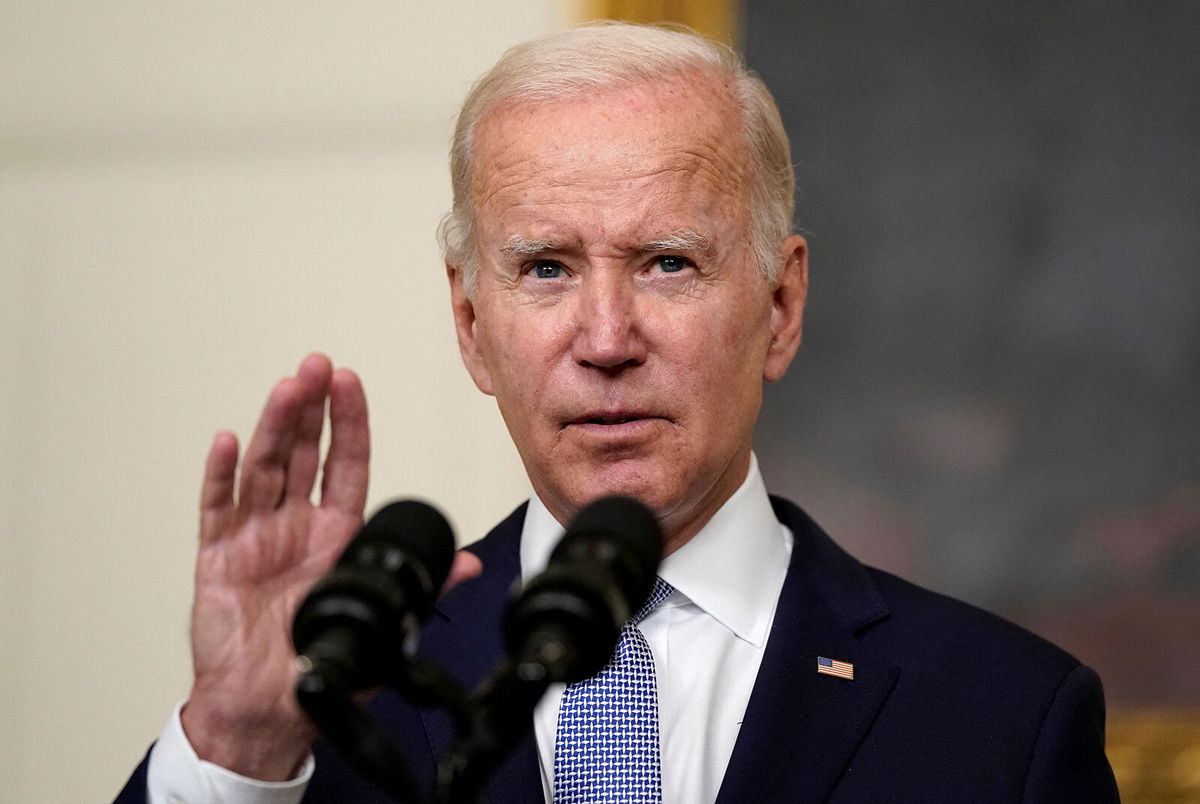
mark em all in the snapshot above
pixel 708 637
pixel 708 640
pixel 177 776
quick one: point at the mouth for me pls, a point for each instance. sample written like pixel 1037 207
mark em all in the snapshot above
pixel 615 420
pixel 616 432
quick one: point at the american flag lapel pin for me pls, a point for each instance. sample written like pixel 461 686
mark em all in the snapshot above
pixel 832 667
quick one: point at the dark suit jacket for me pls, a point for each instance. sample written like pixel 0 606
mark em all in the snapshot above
pixel 948 703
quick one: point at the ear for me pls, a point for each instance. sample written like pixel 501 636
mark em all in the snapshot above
pixel 465 324
pixel 787 308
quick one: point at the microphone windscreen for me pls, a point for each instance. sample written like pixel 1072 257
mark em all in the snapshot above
pixel 627 523
pixel 418 529
pixel 565 621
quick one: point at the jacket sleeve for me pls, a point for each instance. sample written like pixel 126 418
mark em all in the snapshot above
pixel 1068 762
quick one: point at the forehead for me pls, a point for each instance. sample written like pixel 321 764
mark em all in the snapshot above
pixel 648 157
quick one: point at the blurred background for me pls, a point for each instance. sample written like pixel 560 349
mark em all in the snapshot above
pixel 998 396
pixel 999 393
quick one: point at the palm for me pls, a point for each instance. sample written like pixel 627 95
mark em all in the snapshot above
pixel 260 552
pixel 249 584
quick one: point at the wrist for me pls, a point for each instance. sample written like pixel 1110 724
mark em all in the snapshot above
pixel 265 747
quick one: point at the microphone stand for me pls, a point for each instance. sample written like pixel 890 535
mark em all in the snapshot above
pixel 365 744
pixel 561 628
pixel 499 711
pixel 361 740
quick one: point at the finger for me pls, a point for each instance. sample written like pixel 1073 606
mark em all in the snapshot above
pixel 305 458
pixel 344 485
pixel 466 565
pixel 264 467
pixel 216 490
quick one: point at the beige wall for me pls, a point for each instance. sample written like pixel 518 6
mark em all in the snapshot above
pixel 193 196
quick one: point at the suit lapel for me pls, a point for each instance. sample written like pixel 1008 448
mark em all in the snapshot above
pixel 467 643
pixel 801 728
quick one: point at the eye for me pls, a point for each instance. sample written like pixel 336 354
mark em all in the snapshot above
pixel 671 263
pixel 546 269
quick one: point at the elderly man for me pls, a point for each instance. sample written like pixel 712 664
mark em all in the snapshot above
pixel 623 281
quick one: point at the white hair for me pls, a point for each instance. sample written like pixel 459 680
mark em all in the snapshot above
pixel 613 54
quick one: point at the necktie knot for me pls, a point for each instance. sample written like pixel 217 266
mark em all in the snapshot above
pixel 659 593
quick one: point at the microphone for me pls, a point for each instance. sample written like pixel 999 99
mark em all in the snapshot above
pixel 564 624
pixel 360 622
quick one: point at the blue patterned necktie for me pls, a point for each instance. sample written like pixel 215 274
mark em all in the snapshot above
pixel 606 750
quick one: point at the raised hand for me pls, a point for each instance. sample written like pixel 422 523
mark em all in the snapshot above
pixel 261 549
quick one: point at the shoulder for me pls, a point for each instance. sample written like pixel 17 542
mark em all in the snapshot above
pixel 943 634
pixel 1029 713
pixel 499 551
pixel 914 627
pixel 1011 711
pixel 502 542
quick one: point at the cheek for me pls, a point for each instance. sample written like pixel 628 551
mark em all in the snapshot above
pixel 518 352
pixel 730 345
pixel 494 347
pixel 724 370
pixel 505 363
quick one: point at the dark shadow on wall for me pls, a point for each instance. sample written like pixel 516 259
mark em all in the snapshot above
pixel 999 391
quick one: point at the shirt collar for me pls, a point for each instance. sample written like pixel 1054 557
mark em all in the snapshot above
pixel 733 568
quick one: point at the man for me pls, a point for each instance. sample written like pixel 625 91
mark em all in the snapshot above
pixel 623 281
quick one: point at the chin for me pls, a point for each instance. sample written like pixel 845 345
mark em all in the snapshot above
pixel 652 486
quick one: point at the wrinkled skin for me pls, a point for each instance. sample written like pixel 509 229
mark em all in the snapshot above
pixel 619 316
pixel 261 548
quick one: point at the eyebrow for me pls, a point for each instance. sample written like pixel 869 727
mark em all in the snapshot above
pixel 680 240
pixel 518 245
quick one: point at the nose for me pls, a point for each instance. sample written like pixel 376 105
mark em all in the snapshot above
pixel 608 332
